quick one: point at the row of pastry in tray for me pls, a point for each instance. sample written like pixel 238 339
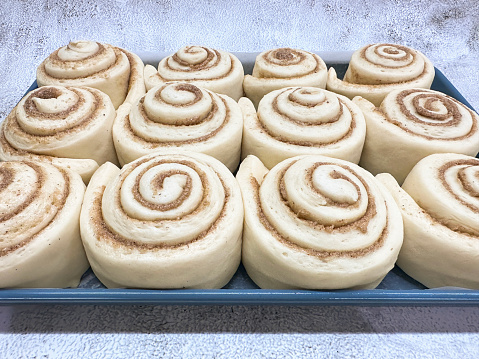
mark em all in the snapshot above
pixel 178 219
pixel 279 118
pixel 374 71
pixel 300 213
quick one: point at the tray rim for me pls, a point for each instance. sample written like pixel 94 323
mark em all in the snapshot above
pixel 371 297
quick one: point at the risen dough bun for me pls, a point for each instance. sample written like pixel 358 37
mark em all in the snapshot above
pixel 377 69
pixel 215 70
pixel 302 120
pixel 40 243
pixel 67 126
pixel 181 116
pixel 412 124
pixel 439 202
pixel 163 221
pixel 318 223
pixel 115 71
pixel 284 67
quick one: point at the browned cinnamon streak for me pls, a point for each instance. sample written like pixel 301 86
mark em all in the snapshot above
pixel 202 66
pixel 393 50
pixel 442 177
pixel 286 57
pixel 154 143
pixel 350 131
pixel 102 73
pixel 11 122
pixel 181 87
pixel 57 201
pixel 452 112
pixel 335 175
pixel 48 92
pixel 105 233
pixel 361 224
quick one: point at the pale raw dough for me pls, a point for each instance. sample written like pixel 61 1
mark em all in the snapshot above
pixel 163 221
pixel 67 126
pixel 284 67
pixel 377 69
pixel 115 71
pixel 302 120
pixel 39 230
pixel 180 116
pixel 412 124
pixel 317 222
pixel 215 70
pixel 439 202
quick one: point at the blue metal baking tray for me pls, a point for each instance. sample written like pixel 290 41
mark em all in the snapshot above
pixel 396 289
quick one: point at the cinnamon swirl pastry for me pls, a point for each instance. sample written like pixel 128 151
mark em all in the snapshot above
pixel 318 223
pixel 67 126
pixel 302 120
pixel 163 221
pixel 377 69
pixel 115 71
pixel 439 202
pixel 40 243
pixel 284 67
pixel 215 70
pixel 412 124
pixel 183 116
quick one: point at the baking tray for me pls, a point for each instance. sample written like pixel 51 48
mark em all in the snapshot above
pixel 396 289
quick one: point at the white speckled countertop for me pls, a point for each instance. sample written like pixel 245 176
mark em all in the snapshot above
pixel 446 31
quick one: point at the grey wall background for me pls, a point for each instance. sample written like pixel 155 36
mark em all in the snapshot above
pixel 446 31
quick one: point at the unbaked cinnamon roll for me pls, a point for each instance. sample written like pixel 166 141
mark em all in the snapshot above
pixel 377 69
pixel 317 222
pixel 181 116
pixel 67 126
pixel 215 70
pixel 302 120
pixel 412 124
pixel 115 71
pixel 284 67
pixel 439 202
pixel 163 221
pixel 40 243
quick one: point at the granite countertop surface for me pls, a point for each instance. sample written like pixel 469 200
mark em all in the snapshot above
pixel 446 31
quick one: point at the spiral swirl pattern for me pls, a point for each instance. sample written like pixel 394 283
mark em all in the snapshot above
pixel 115 71
pixel 40 243
pixel 70 126
pixel 183 116
pixel 440 206
pixel 303 120
pixel 424 121
pixel 284 67
pixel 215 70
pixel 377 69
pixel 317 222
pixel 169 221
